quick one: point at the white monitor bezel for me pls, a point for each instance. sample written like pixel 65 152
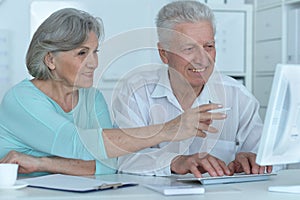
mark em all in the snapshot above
pixel 285 150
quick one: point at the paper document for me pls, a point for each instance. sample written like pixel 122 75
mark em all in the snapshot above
pixel 73 183
pixel 176 189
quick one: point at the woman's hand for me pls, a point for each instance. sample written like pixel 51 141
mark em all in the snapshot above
pixel 27 164
pixel 193 122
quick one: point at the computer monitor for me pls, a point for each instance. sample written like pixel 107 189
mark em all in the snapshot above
pixel 280 141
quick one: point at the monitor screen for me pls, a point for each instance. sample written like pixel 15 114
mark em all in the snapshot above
pixel 280 141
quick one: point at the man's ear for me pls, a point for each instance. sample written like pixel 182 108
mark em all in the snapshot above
pixel 49 61
pixel 162 53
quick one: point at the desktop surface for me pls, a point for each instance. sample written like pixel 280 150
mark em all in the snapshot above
pixel 248 190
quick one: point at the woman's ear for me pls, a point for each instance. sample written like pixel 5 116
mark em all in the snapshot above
pixel 49 61
pixel 162 53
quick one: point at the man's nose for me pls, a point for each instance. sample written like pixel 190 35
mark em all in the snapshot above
pixel 201 57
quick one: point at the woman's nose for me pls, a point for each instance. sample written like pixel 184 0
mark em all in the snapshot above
pixel 92 61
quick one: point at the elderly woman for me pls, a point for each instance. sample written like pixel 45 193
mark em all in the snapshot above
pixel 58 115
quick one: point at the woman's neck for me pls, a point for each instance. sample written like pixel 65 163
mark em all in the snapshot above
pixel 65 96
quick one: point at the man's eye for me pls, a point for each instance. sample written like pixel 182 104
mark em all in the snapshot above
pixel 189 49
pixel 209 47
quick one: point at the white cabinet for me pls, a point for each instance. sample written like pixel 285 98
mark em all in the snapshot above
pixel 293 39
pixel 267 54
pixel 267 51
pixel 263 3
pixel 234 48
pixel 268 24
pixel 261 88
pixel 276 41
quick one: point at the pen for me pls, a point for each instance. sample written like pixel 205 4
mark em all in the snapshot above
pixel 220 110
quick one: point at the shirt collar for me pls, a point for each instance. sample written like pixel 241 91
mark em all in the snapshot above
pixel 163 86
pixel 163 89
pixel 211 93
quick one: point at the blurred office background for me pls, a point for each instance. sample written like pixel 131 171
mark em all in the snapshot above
pixel 252 37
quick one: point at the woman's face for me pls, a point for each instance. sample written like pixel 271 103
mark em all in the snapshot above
pixel 76 67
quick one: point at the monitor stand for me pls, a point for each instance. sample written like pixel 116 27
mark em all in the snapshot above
pixel 285 189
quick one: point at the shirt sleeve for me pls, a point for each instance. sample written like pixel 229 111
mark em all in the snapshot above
pixel 131 109
pixel 102 112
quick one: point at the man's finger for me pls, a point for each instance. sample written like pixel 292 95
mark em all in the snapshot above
pixel 216 164
pixel 194 170
pixel 255 168
pixel 269 169
pixel 206 165
pixel 231 168
pixel 262 169
pixel 244 162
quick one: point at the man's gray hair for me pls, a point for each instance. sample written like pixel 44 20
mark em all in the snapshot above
pixel 64 30
pixel 183 12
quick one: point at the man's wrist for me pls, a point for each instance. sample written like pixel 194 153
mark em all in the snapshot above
pixel 173 164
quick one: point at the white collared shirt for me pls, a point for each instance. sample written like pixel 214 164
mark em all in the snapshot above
pixel 146 98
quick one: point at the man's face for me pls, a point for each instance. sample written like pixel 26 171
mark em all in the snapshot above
pixel 191 52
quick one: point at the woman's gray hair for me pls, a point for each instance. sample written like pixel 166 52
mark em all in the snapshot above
pixel 64 30
pixel 182 12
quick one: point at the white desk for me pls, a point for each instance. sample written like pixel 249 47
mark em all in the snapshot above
pixel 241 191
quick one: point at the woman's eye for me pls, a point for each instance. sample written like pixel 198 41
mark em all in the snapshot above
pixel 82 53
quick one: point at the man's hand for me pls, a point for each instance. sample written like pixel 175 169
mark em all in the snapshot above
pixel 245 162
pixel 27 164
pixel 199 163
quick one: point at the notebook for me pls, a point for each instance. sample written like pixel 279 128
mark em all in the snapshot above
pixel 236 178
pixel 73 183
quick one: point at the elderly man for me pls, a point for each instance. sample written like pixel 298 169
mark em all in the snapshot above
pixel 186 45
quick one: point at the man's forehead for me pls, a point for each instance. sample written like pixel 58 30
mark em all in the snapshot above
pixel 185 40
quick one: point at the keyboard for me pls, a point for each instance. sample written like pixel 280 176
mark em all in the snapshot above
pixel 236 178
